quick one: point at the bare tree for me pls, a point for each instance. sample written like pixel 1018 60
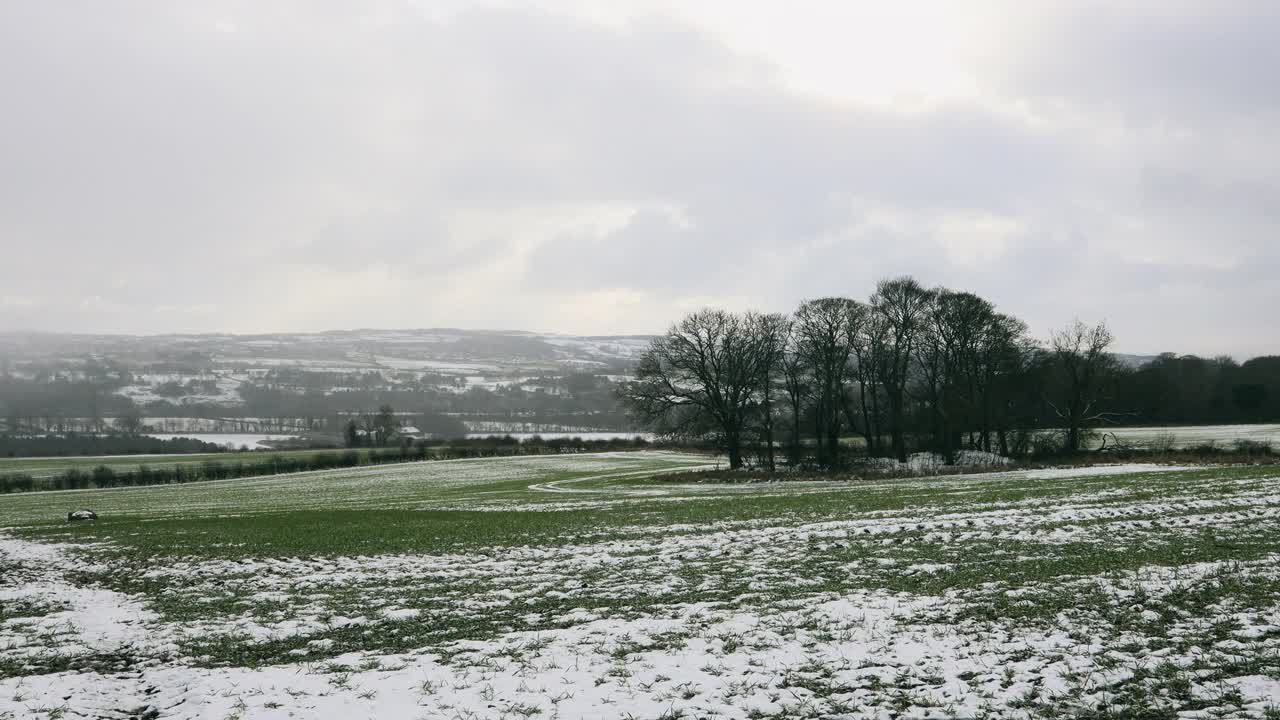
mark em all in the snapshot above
pixel 770 332
pixel 1083 365
pixel 1003 355
pixel 935 356
pixel 385 426
pixel 967 328
pixel 826 328
pixel 868 354
pixel 129 422
pixel 902 304
pixel 795 381
pixel 701 377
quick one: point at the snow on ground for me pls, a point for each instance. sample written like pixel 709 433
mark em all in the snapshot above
pixel 726 665
pixel 598 435
pixel 1063 473
pixel 919 597
pixel 145 386
pixel 1184 436
pixel 612 347
pixel 927 462
pixel 81 620
pixel 253 441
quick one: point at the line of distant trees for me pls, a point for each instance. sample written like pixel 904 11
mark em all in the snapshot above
pixel 79 444
pixel 1185 389
pixel 917 368
pixel 104 476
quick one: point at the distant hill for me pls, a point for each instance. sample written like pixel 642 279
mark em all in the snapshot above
pixel 440 349
pixel 508 380
pixel 1135 361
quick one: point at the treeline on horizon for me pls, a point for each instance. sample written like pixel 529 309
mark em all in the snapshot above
pixel 73 444
pixel 917 368
pixel 104 476
pixel 1186 389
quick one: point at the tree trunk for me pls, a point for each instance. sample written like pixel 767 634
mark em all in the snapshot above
pixel 833 440
pixel 735 458
pixel 941 434
pixel 768 428
pixel 986 421
pixel 819 437
pixel 795 432
pixel 895 412
pixel 851 417
pixel 867 429
pixel 875 411
pixel 735 453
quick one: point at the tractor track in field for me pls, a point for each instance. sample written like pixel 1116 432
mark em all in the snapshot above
pixel 562 486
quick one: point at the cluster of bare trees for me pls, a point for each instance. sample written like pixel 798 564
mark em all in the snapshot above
pixel 372 430
pixel 911 367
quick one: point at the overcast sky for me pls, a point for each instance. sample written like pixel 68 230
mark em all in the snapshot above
pixel 603 167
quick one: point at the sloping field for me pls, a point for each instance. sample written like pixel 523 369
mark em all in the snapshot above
pixel 42 467
pixel 587 586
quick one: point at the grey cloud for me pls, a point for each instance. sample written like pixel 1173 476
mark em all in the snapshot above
pixel 185 163
pixel 1153 60
pixel 650 251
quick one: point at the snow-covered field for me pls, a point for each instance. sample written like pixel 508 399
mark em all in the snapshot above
pixel 253 441
pixel 585 435
pixel 591 587
pixel 1222 436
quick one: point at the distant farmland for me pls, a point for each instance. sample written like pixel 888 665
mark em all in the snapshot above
pixel 51 466
pixel 1186 436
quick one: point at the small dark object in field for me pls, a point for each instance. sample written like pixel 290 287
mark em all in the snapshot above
pixel 81 515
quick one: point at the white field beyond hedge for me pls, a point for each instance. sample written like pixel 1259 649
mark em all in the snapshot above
pixel 879 606
pixel 1185 436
